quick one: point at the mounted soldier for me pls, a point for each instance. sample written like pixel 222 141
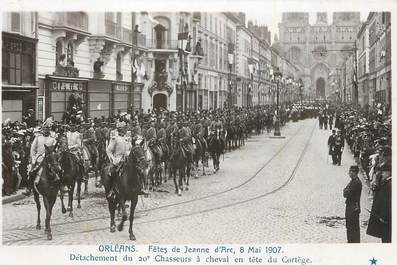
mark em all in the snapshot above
pixel 151 138
pixel 162 137
pixel 90 142
pixel 37 153
pixel 216 130
pixel 117 151
pixel 75 146
pixel 185 138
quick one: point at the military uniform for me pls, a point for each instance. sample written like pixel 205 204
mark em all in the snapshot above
pixel 185 138
pixel 339 145
pixel 352 193
pixel 118 150
pixel 37 153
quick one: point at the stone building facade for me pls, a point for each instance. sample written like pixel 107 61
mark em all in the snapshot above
pixel 318 49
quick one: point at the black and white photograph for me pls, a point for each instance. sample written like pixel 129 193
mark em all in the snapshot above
pixel 196 127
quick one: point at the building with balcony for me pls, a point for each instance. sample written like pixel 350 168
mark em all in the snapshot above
pixel 362 44
pixel 169 50
pixel 217 84
pixel 19 56
pixel 379 76
pixel 90 54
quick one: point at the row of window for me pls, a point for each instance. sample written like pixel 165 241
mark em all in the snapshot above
pixel 17 62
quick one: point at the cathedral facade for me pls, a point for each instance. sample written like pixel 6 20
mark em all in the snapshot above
pixel 319 49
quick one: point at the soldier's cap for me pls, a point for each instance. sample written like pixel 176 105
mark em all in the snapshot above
pixel 354 168
pixel 120 125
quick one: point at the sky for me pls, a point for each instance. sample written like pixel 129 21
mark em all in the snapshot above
pixel 272 19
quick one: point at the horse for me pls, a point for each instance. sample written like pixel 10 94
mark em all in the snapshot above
pixel 91 161
pixel 150 180
pixel 199 153
pixel 215 147
pixel 178 163
pixel 47 187
pixel 72 174
pixel 102 161
pixel 127 185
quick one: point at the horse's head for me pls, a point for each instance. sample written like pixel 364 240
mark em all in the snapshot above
pixel 51 160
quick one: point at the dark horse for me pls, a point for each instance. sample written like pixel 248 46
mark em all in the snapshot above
pixel 178 163
pixel 200 151
pixel 47 187
pixel 72 174
pixel 126 186
pixel 215 147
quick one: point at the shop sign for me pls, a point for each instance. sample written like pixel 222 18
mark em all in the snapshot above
pixel 67 85
pixel 121 87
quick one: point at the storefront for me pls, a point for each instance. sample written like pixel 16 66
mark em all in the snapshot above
pixel 101 97
pixel 18 76
pixel 57 93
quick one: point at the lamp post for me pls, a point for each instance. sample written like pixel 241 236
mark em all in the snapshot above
pixel 277 76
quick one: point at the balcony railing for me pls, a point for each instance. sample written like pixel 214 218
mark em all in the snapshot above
pixel 168 44
pixel 112 29
pixel 161 77
pixel 76 20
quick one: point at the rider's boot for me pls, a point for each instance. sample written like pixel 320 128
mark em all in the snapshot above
pixel 111 194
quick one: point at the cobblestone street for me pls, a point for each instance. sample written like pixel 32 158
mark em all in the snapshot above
pixel 270 190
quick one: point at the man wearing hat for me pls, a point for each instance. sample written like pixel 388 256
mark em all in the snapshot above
pixel 118 150
pixel 331 146
pixel 352 193
pixel 75 145
pixel 339 145
pixel 380 223
pixel 37 152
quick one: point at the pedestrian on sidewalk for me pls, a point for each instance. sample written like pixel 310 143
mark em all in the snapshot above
pixel 352 193
pixel 338 148
pixel 379 224
pixel 331 146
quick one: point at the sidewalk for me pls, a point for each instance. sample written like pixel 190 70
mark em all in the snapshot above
pixel 14 197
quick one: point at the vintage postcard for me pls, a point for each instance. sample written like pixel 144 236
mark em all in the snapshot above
pixel 202 132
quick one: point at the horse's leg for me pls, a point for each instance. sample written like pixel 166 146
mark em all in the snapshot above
pixel 165 171
pixel 85 186
pixel 61 195
pixel 124 217
pixel 51 202
pixel 47 217
pixel 79 194
pixel 214 160
pixel 70 204
pixel 38 205
pixel 134 202
pixel 187 176
pixel 180 179
pixel 173 175
pixel 112 210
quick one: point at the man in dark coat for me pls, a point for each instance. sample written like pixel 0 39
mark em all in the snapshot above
pixel 338 148
pixel 352 193
pixel 331 146
pixel 379 224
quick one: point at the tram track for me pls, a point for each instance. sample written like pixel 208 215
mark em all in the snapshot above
pixel 236 187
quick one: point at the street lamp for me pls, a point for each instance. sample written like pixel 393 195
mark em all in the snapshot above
pixel 277 76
